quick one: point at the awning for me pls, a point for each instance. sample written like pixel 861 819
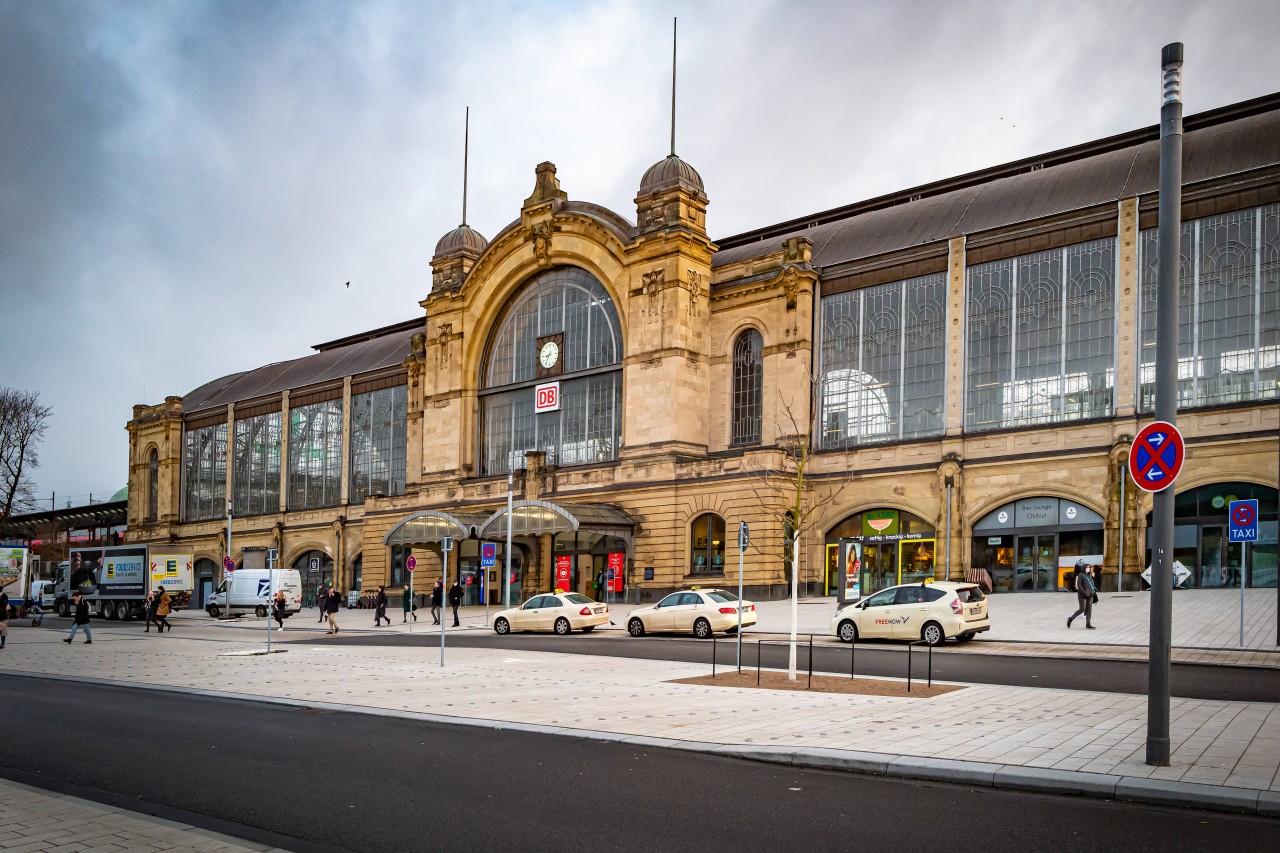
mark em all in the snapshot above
pixel 430 526
pixel 531 518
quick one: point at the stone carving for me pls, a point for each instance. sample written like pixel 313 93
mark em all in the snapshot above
pixel 653 282
pixel 546 186
pixel 540 235
pixel 696 290
pixel 790 280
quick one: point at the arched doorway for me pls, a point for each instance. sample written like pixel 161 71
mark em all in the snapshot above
pixel 316 568
pixel 1029 544
pixel 878 548
pixel 1200 539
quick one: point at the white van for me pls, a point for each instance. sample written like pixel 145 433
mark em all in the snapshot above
pixel 251 591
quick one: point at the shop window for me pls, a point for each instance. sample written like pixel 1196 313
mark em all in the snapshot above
pixel 707 545
pixel 748 387
pixel 399 553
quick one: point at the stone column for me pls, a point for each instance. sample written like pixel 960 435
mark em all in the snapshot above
pixel 1128 338
pixel 955 336
pixel 284 452
pixel 346 440
pixel 231 451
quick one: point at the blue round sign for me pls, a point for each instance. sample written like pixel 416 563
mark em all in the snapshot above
pixel 1156 456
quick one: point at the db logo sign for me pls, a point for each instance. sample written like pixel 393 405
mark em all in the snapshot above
pixel 546 398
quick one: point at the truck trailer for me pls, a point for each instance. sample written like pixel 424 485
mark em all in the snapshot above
pixel 116 580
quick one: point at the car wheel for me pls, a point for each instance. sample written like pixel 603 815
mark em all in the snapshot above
pixel 122 610
pixel 635 628
pixel 702 629
pixel 847 632
pixel 213 611
pixel 932 633
pixel 563 627
pixel 106 611
pixel 588 629
pixel 965 637
pixel 501 626
pixel 259 611
pixel 64 608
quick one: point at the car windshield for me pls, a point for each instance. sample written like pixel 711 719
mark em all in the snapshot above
pixel 721 595
pixel 578 598
pixel 970 594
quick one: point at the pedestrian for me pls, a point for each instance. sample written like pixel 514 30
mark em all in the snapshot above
pixel 1086 594
pixel 277 609
pixel 4 618
pixel 164 603
pixel 149 608
pixel 81 618
pixel 410 609
pixel 322 601
pixel 437 601
pixel 331 610
pixel 381 604
pixel 455 598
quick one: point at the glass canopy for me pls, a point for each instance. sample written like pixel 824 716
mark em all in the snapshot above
pixel 426 528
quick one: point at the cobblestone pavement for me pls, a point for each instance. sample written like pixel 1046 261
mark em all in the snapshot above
pixel 35 821
pixel 1232 744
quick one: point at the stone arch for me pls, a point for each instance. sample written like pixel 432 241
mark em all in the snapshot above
pixel 828 520
pixel 724 344
pixel 989 503
pixel 1146 500
pixel 296 551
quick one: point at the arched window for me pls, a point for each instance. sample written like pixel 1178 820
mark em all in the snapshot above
pixel 748 386
pixel 561 328
pixel 153 485
pixel 706 542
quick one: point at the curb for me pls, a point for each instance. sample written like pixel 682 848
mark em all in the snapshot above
pixel 1106 786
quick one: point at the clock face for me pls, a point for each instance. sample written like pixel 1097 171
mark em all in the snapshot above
pixel 549 355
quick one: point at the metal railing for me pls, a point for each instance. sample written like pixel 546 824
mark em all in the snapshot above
pixel 853 658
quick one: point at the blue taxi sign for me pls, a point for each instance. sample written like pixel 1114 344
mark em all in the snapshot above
pixel 1243 517
pixel 1156 456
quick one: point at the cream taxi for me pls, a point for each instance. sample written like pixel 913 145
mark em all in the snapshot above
pixel 919 611
pixel 701 611
pixel 562 612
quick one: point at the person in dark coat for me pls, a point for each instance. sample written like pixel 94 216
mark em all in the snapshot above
pixel 334 604
pixel 437 601
pixel 82 618
pixel 277 609
pixel 4 618
pixel 150 607
pixel 1086 594
pixel 409 609
pixel 381 604
pixel 455 598
pixel 322 601
pixel 164 603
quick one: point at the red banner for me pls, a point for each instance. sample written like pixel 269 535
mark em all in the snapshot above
pixel 563 564
pixel 617 567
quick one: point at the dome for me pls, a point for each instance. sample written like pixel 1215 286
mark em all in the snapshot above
pixel 121 495
pixel 669 172
pixel 464 239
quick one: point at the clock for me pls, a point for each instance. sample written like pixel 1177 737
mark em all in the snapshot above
pixel 550 355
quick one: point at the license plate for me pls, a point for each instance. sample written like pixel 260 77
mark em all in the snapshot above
pixel 974 611
pixel 599 610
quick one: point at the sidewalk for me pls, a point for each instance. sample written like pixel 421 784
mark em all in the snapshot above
pixel 34 820
pixel 1226 755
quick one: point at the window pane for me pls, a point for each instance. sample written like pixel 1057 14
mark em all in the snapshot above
pixel 378 423
pixel 204 473
pixel 748 386
pixel 315 455
pixel 255 477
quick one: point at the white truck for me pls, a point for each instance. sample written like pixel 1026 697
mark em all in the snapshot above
pixel 15 569
pixel 116 580
pixel 250 591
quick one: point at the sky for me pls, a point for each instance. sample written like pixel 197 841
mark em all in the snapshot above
pixel 187 186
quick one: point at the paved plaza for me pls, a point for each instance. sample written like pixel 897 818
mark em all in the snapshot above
pixel 1231 747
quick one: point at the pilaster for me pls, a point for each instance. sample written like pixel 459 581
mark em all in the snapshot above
pixel 346 440
pixel 955 335
pixel 284 452
pixel 1127 337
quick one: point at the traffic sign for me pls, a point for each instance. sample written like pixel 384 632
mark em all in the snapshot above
pixel 744 536
pixel 1243 517
pixel 411 562
pixel 488 555
pixel 1156 456
pixel 228 564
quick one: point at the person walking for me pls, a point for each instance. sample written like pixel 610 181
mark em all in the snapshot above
pixel 164 603
pixel 409 609
pixel 4 618
pixel 334 602
pixel 381 612
pixel 149 607
pixel 322 601
pixel 81 618
pixel 1086 594
pixel 277 609
pixel 455 598
pixel 437 601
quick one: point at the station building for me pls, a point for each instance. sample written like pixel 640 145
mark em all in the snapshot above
pixel 959 368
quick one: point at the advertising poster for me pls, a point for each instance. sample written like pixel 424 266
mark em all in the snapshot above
pixel 564 564
pixel 851 571
pixel 109 571
pixel 13 569
pixel 617 563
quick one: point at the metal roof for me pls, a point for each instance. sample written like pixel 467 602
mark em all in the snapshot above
pixel 530 518
pixel 430 526
pixel 364 356
pixel 1245 139
pixel 28 525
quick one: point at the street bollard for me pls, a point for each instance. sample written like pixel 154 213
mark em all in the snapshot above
pixel 811 661
pixel 713 657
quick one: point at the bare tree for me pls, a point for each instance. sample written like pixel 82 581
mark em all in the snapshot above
pixel 23 422
pixel 784 480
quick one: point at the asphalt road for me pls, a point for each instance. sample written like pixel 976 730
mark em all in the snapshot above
pixel 1193 681
pixel 309 780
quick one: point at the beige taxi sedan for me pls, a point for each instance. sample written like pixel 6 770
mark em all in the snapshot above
pixel 562 612
pixel 700 611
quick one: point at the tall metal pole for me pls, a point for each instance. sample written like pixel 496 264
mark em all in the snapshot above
pixel 226 575
pixel 413 616
pixel 1166 400
pixel 446 544
pixel 1124 481
pixel 743 535
pixel 949 485
pixel 506 577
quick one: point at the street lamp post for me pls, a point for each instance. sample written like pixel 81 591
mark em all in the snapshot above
pixel 506 577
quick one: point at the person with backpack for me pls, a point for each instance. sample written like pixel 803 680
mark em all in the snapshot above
pixel 1086 594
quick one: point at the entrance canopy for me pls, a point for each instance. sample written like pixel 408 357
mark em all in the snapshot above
pixel 531 518
pixel 429 527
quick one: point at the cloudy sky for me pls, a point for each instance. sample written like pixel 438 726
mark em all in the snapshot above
pixel 186 186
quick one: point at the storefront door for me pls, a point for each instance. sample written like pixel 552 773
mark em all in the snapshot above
pixel 1221 561
pixel 1037 560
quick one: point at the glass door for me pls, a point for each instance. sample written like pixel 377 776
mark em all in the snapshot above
pixel 1221 561
pixel 1036 562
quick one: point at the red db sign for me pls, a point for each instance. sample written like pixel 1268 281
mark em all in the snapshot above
pixel 546 398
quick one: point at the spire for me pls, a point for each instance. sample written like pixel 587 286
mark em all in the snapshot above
pixel 674 23
pixel 466 145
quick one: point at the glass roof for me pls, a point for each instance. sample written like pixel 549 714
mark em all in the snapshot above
pixel 425 528
pixel 531 518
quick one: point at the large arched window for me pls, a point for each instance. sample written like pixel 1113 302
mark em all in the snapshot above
pixel 748 387
pixel 561 328
pixel 153 485
pixel 707 545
